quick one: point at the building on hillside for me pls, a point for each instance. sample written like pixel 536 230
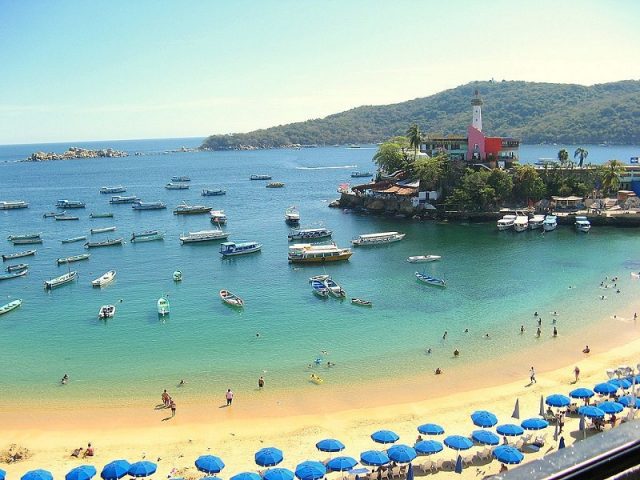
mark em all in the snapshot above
pixel 476 147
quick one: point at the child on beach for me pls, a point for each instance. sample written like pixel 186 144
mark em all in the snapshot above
pixel 532 375
pixel 229 397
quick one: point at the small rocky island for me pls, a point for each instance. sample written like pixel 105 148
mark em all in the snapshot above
pixel 75 152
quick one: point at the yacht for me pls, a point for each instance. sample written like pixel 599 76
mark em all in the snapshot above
pixel 377 238
pixel 309 233
pixel 203 236
pixel 506 222
pixel 308 253
pixel 124 199
pixel 148 205
pixel 550 223
pixel 218 217
pixel 180 179
pixel 260 177
pixel 292 216
pixel 521 223
pixel 185 209
pixel 583 224
pixel 206 192
pixel 228 249
pixel 176 186
pixel 118 189
pixel 10 205
pixel 536 222
pixel 70 204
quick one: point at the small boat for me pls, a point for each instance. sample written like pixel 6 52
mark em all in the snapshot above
pixel 550 223
pixel 275 185
pixel 309 234
pixel 74 239
pixel 506 222
pixel 334 289
pixel 438 282
pixel 260 177
pixel 180 179
pixel 7 276
pixel 203 236
pixel 26 253
pixel 26 241
pixel 423 258
pixel 307 253
pixel 147 236
pixel 377 238
pixel 316 379
pixel 118 189
pixel 148 206
pixel 66 217
pixel 357 174
pixel 105 279
pixel 231 299
pixel 292 216
pixel 176 186
pixel 218 217
pixel 229 249
pixel 74 258
pixel 102 230
pixel 177 276
pixel 17 267
pixel 536 222
pixel 101 215
pixel 13 204
pixel 10 306
pixel 107 311
pixel 163 306
pixel 24 236
pixel 212 193
pixel 319 288
pixel 61 280
pixel 583 224
pixel 70 204
pixel 105 243
pixel 185 209
pixel 354 145
pixel 521 223
pixel 50 214
pixel 320 278
pixel 117 199
pixel 361 302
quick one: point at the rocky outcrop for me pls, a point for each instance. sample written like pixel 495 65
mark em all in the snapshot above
pixel 75 152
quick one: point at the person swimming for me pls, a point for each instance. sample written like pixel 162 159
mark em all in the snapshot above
pixel 65 379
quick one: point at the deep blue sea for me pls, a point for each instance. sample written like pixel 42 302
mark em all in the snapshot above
pixel 495 279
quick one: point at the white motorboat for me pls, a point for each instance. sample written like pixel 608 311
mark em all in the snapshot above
pixel 506 222
pixel 319 288
pixel 61 280
pixel 10 306
pixel 147 236
pixel 292 216
pixel 116 189
pixel 260 177
pixel 74 258
pixel 176 186
pixel 148 206
pixel 163 306
pixel 107 311
pixel 334 289
pixel 231 299
pixel 181 178
pixel 423 258
pixel 550 223
pixel 70 204
pixel 13 204
pixel 105 279
pixel 521 223
pixel 117 199
pixel 308 253
pixel 536 222
pixel 377 238
pixel 24 236
pixel 204 236
pixel 102 230
pixel 583 224
pixel 229 249
pixel 218 217
pixel 309 234
pixel 177 276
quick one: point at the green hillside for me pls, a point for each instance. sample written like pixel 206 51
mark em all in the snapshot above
pixel 533 112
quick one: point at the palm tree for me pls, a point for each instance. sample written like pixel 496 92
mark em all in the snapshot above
pixel 563 156
pixel 611 177
pixel 581 153
pixel 414 136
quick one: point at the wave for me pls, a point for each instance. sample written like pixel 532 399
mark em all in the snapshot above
pixel 337 167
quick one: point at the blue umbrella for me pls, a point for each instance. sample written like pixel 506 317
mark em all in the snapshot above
pixel 431 429
pixel 83 472
pixel 212 477
pixel 605 388
pixel 621 383
pixel 581 393
pixel 268 457
pixel 142 469
pixel 458 442
pixel 37 475
pixel 330 445
pixel 374 457
pixel 611 407
pixel 115 470
pixel 458 467
pixel 507 454
pixel 485 437
pixel 410 472
pixel 246 476
pixel 590 411
pixel 509 430
pixel 402 453
pixel 428 447
pixel 534 423
pixel 340 464
pixel 310 470
pixel 278 474
pixel 557 400
pixel 483 419
pixel 2 474
pixel 384 436
pixel 209 464
pixel 630 401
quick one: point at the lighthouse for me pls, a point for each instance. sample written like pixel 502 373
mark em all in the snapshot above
pixel 477 112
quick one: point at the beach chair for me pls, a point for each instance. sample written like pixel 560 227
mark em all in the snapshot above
pixel 403 470
pixel 467 460
pixel 484 454
pixel 520 443
pixel 428 466
pixel 395 472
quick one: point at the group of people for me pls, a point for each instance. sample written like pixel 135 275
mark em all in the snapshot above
pixel 88 452
pixel 168 402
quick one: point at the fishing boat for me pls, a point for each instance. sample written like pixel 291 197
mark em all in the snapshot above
pixel 361 302
pixel 185 209
pixel 66 217
pixel 320 278
pixel 334 289
pixel 203 236
pixel 357 174
pixel 307 253
pixel 102 230
pixel 7 276
pixel 70 204
pixel 26 241
pixel 229 249
pixel 13 204
pixel 74 239
pixel 212 193
pixel 74 258
pixel 105 243
pixel 377 238
pixel 61 280
pixel 438 282
pixel 107 311
pixel 231 299
pixel 260 177
pixel 218 217
pixel 292 216
pixel 148 206
pixel 550 223
pixel 50 214
pixel 423 258
pixel 117 199
pixel 177 276
pixel 275 185
pixel 180 179
pixel 582 224
pixel 506 222
pixel 10 306
pixel 24 236
pixel 163 306
pixel 536 222
pixel 319 288
pixel 309 234
pixel 10 256
pixel 176 186
pixel 117 189
pixel 17 267
pixel 521 223
pixel 101 215
pixel 147 236
pixel 105 279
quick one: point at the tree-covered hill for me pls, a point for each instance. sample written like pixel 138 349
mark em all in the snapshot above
pixel 533 112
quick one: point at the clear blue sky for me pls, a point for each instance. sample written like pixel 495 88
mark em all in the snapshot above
pixel 112 69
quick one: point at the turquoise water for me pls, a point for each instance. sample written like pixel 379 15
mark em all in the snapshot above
pixel 495 279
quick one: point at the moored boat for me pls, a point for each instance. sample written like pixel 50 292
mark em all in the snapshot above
pixel 428 279
pixel 185 209
pixel 231 299
pixel 116 189
pixel 292 216
pixel 8 276
pixel 506 222
pixel 148 205
pixel 74 239
pixel 117 199
pixel 361 302
pixel 101 215
pixel 66 217
pixel 377 238
pixel 218 217
pixel 105 243
pixel 50 214
pixel 176 186
pixel 163 306
pixel 74 258
pixel 102 230
pixel 357 174
pixel 229 249
pixel 212 193
pixel 107 311
pixel 147 236
pixel 10 306
pixel 334 289
pixel 550 223
pixel 105 279
pixel 319 288
pixel 536 222
pixel 423 258
pixel 17 267
pixel 26 241
pixel 26 253
pixel 177 276
pixel 521 223
pixel 13 204
pixel 180 178
pixel 309 233
pixel 582 224
pixel 260 177
pixel 275 185
pixel 203 236
pixel 61 280
pixel 24 236
pixel 70 204
pixel 307 253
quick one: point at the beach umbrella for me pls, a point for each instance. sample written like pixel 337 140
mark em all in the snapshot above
pixel 3 474
pixel 374 457
pixel 485 437
pixel 310 470
pixel 630 401
pixel 428 447
pixel 37 475
pixel 509 430
pixel 458 442
pixel 561 444
pixel 268 457
pixel 83 472
pixel 622 383
pixel 115 470
pixel 508 454
pixel 401 453
pixel 590 411
pixel 211 477
pixel 534 424
pixel 143 468
pixel 384 436
pixel 541 409
pixel 605 388
pixel 611 407
pixel 516 409
pixel 431 429
pixel 278 474
pixel 410 475
pixel 483 419
pixel 340 464
pixel 209 464
pixel 458 467
pixel 246 476
pixel 557 400
pixel 330 445
pixel 581 393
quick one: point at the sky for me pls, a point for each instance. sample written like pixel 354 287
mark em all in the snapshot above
pixel 122 69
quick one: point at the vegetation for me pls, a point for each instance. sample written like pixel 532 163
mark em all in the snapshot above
pixel 533 112
pixel 581 153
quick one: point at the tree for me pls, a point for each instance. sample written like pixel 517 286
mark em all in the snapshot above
pixel 501 183
pixel 414 136
pixel 563 156
pixel 581 153
pixel 430 171
pixel 528 184
pixel 390 157
pixel 611 176
pixel 474 192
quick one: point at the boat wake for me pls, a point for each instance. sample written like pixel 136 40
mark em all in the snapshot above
pixel 336 167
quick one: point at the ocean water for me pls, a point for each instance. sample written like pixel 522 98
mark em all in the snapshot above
pixel 495 279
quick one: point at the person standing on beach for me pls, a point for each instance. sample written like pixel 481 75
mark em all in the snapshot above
pixel 261 382
pixel 229 397
pixel 576 372
pixel 172 405
pixel 532 375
